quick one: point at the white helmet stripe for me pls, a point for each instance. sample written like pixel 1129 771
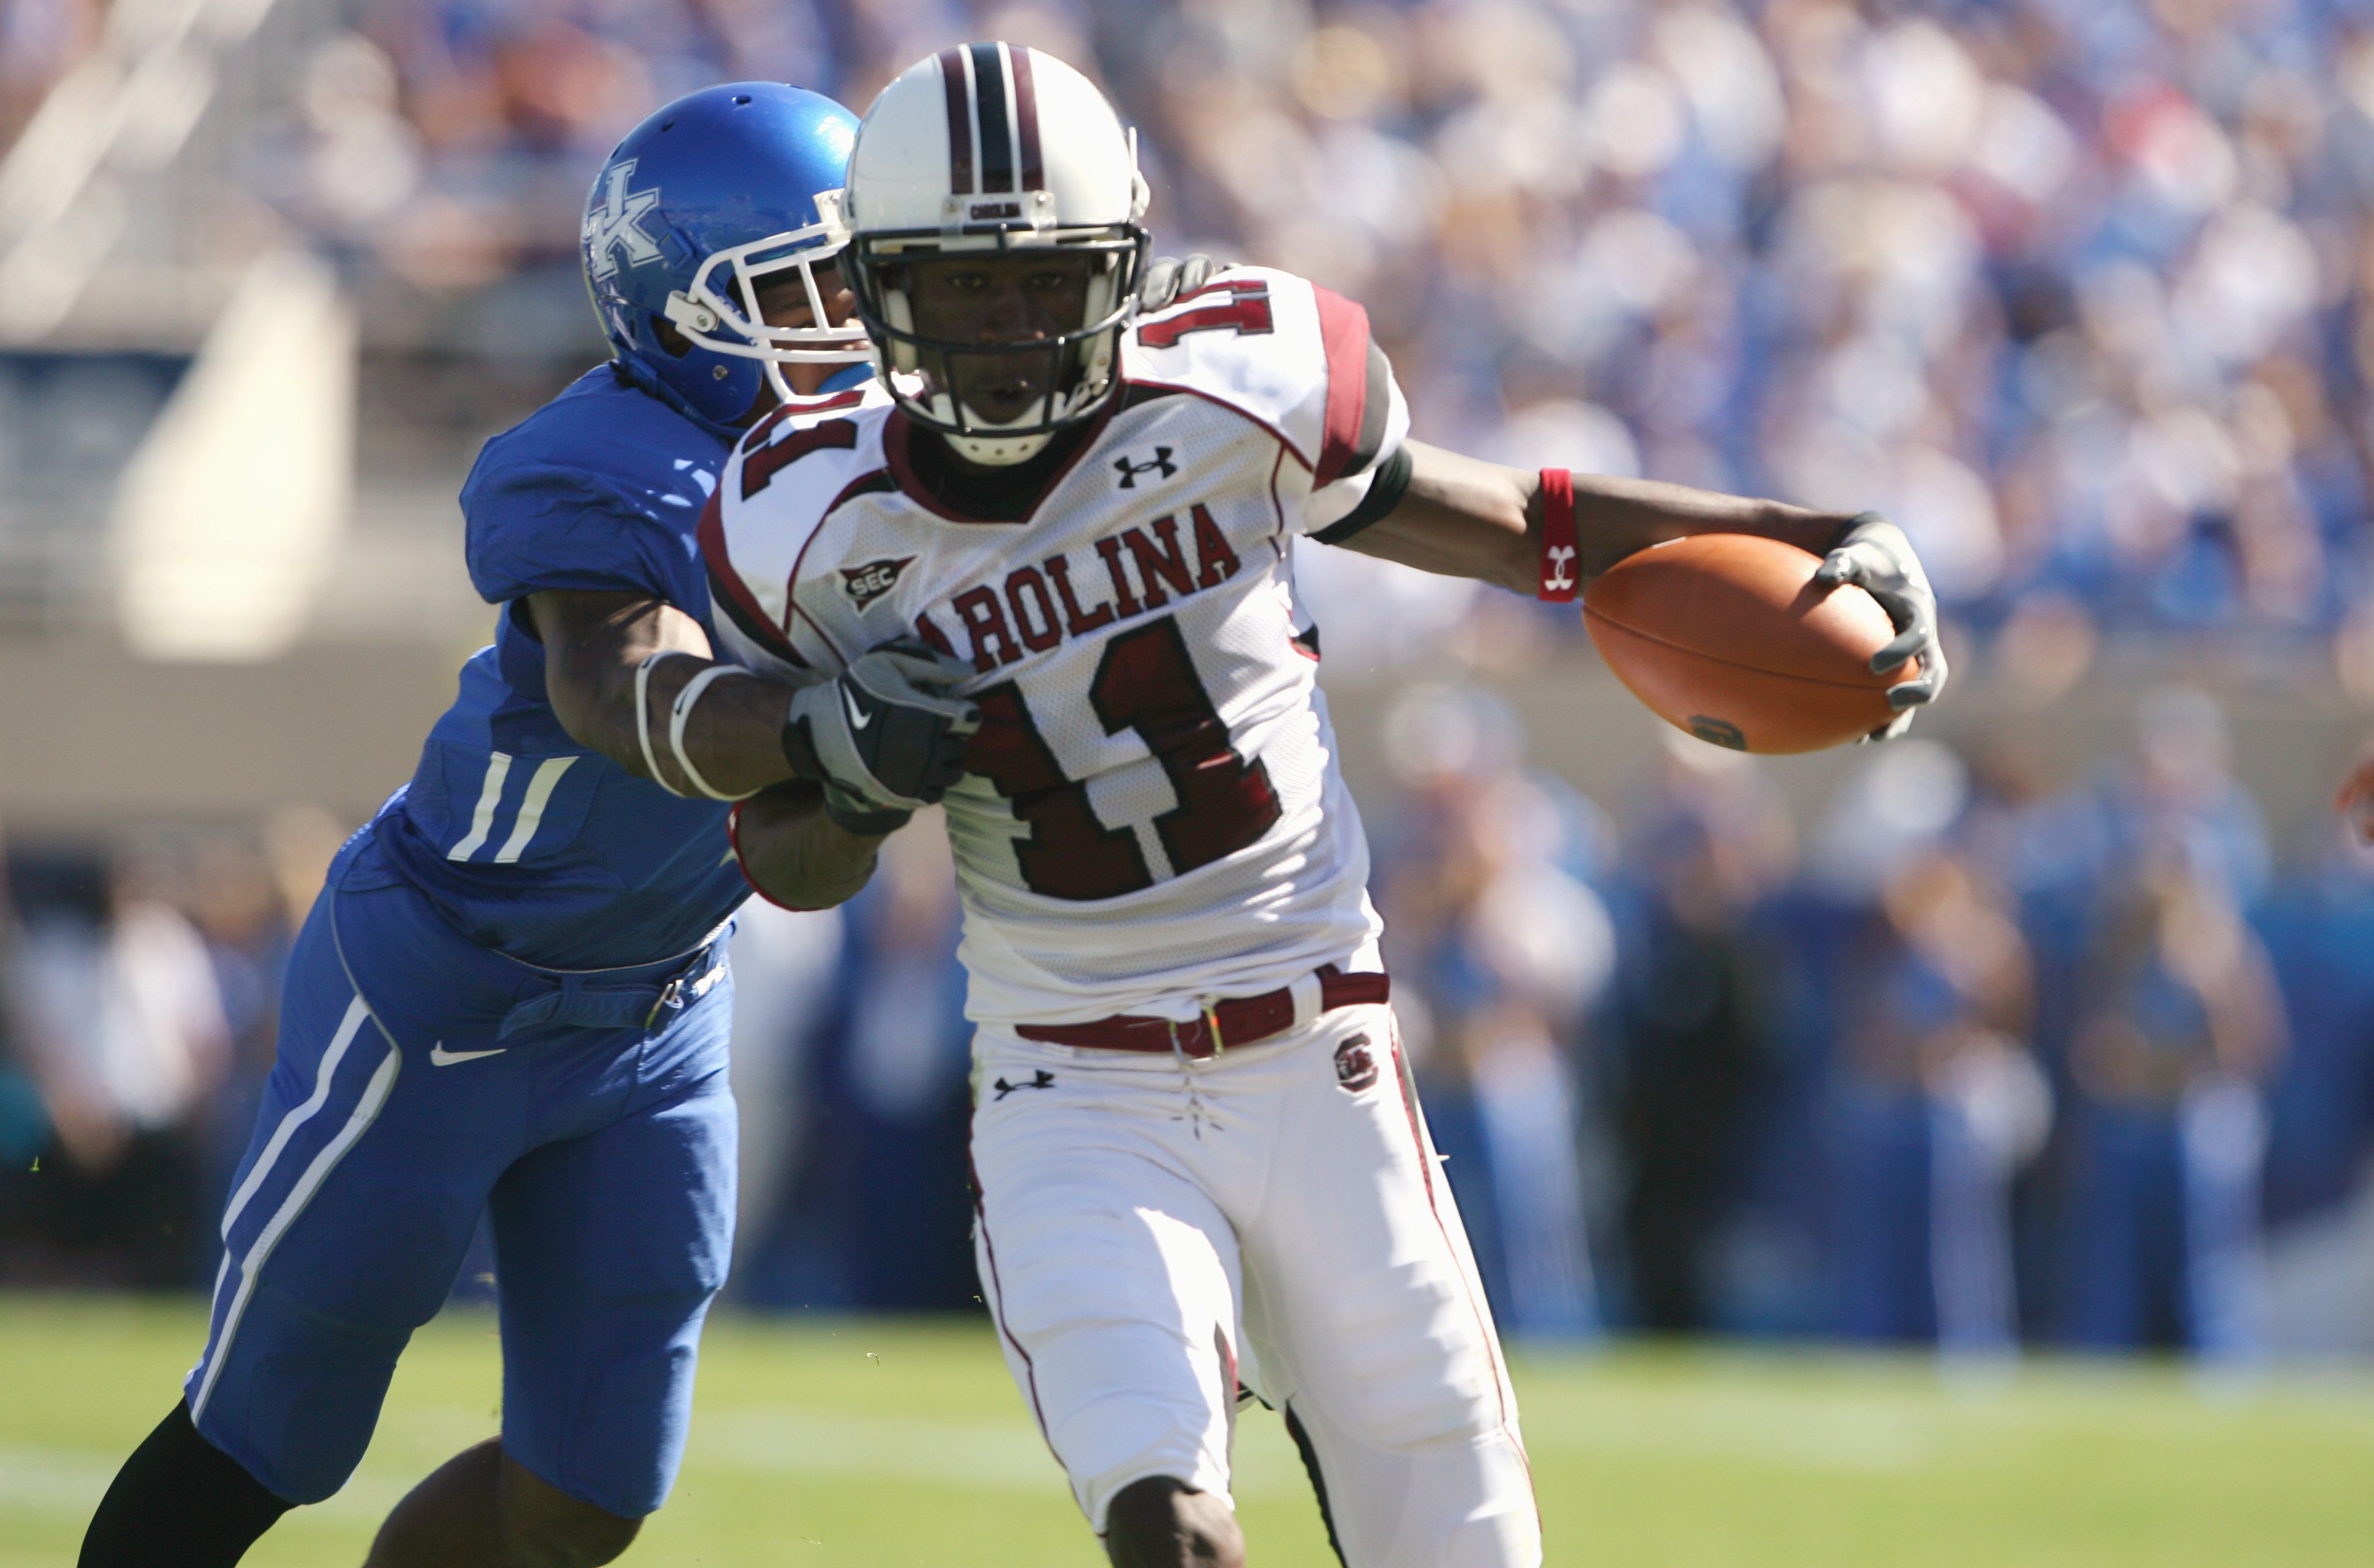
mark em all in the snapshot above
pixel 1026 122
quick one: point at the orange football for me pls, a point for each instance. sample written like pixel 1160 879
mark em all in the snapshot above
pixel 1729 636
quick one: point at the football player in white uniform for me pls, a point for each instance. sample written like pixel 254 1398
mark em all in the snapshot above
pixel 1040 571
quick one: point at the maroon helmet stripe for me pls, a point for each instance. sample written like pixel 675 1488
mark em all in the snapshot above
pixel 1026 119
pixel 959 101
pixel 996 135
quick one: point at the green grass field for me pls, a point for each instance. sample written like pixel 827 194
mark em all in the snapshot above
pixel 881 1444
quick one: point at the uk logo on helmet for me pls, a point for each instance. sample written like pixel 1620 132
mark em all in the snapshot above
pixel 617 225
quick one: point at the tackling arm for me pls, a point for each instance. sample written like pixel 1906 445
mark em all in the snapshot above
pixel 792 850
pixel 594 645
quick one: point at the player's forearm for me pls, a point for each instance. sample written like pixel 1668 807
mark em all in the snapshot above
pixel 1460 517
pixel 1613 518
pixel 795 854
pixel 594 645
pixel 1463 517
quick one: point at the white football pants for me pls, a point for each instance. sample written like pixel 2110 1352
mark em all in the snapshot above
pixel 1154 1231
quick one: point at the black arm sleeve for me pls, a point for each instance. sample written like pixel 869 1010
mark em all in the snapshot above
pixel 1385 492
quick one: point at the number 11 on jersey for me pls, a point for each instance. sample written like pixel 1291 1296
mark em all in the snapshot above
pixel 1145 682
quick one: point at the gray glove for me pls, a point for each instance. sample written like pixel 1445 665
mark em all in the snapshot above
pixel 1167 277
pixel 885 737
pixel 1874 555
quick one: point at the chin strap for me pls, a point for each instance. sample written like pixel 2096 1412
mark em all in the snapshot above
pixel 999 451
pixel 1561 551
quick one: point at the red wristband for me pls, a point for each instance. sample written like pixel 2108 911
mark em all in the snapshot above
pixel 1561 554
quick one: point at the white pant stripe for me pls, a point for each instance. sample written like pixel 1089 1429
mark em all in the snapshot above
pixel 356 1013
pixel 490 795
pixel 367 1109
pixel 530 812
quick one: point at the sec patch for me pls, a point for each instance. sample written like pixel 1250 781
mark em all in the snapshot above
pixel 867 583
pixel 1356 1065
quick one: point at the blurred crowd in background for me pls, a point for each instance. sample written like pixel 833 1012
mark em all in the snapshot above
pixel 2081 291
pixel 1965 1062
pixel 2078 290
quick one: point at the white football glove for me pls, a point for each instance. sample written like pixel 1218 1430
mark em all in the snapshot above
pixel 1167 277
pixel 885 737
pixel 1874 555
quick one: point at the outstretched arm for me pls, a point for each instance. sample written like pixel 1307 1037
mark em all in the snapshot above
pixel 1462 517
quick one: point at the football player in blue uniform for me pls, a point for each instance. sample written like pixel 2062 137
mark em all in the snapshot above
pixel 511 997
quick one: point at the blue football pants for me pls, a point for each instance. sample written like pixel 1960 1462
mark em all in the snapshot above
pixel 397 1112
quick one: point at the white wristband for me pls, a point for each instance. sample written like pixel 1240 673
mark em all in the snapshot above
pixel 682 714
pixel 644 714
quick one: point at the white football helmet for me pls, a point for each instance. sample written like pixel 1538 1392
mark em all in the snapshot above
pixel 991 147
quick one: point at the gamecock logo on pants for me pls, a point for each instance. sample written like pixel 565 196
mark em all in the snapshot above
pixel 1356 1065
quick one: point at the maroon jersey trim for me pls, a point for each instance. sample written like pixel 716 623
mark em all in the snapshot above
pixel 1344 330
pixel 898 435
pixel 725 585
pixel 1152 389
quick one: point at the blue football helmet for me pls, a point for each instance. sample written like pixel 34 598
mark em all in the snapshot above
pixel 697 204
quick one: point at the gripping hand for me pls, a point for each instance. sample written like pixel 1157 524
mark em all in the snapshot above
pixel 885 737
pixel 1167 277
pixel 1874 555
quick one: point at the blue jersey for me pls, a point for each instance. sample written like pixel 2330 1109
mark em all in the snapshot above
pixel 524 840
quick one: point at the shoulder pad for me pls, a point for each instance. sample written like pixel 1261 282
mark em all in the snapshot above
pixel 597 436
pixel 1285 352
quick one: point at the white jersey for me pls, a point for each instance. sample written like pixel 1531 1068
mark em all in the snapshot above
pixel 1152 814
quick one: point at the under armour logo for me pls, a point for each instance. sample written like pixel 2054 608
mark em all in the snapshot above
pixel 1558 580
pixel 1042 1079
pixel 1129 470
pixel 620 223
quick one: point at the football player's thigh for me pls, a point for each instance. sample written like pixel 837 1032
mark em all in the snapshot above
pixel 609 1248
pixel 1364 1314
pixel 346 1222
pixel 1112 1277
